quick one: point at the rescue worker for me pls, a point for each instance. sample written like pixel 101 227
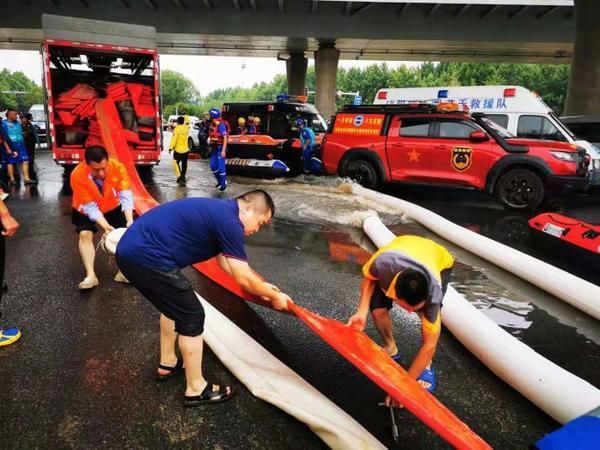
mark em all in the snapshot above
pixel 102 197
pixel 31 141
pixel 218 135
pixel 18 156
pixel 252 130
pixel 241 129
pixel 177 234
pixel 5 150
pixel 179 144
pixel 308 143
pixel 412 272
pixel 256 122
pixel 203 127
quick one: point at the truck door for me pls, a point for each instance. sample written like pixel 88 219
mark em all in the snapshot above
pixel 407 147
pixel 454 157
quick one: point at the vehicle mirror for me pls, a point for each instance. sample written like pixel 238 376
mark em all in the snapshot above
pixel 478 136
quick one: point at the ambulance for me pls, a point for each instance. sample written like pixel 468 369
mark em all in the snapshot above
pixel 521 111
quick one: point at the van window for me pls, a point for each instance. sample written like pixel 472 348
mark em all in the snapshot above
pixel 414 127
pixel 455 129
pixel 538 127
pixel 500 119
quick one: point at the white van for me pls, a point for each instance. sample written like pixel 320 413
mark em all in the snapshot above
pixel 515 108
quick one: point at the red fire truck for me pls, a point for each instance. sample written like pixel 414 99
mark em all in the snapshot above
pixel 82 62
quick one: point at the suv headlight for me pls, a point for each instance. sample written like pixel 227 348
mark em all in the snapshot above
pixel 564 156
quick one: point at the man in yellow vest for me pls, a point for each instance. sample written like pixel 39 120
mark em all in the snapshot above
pixel 179 143
pixel 413 272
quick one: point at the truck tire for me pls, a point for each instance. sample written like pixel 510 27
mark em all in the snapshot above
pixel 520 189
pixel 363 172
pixel 190 143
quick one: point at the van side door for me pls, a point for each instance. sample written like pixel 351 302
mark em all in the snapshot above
pixel 407 147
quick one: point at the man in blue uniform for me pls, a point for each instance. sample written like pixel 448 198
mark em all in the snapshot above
pixel 174 235
pixel 308 143
pixel 241 129
pixel 251 127
pixel 218 135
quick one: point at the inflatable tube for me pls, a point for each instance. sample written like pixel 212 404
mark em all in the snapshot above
pixel 557 392
pixel 290 392
pixel 579 293
pixel 274 382
pixel 272 168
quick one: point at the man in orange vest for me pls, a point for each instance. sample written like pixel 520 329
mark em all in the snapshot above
pixel 101 196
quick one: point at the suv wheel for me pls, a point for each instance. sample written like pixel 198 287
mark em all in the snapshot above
pixel 520 189
pixel 363 172
pixel 190 143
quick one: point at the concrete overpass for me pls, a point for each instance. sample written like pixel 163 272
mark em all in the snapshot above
pixel 479 30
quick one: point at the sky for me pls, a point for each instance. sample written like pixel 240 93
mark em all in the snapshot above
pixel 207 72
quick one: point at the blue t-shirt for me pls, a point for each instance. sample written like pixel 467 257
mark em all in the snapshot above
pixel 222 129
pixel 183 232
pixel 14 131
pixel 307 134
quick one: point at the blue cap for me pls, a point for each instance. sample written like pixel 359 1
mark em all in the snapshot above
pixel 299 122
pixel 214 113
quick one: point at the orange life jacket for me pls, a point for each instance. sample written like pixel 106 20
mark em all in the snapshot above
pixel 215 137
pixel 86 191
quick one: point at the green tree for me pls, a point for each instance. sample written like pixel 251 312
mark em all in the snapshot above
pixel 18 92
pixel 176 88
pixel 550 81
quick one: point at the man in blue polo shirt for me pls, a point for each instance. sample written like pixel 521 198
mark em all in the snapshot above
pixel 174 235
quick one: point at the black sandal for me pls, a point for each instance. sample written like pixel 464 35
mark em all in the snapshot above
pixel 172 370
pixel 209 396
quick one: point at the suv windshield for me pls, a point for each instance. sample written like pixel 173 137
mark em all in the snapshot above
pixel 502 132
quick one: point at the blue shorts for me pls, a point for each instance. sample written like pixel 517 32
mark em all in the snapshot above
pixel 22 155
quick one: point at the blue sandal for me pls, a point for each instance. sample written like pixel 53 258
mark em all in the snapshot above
pixel 9 335
pixel 397 358
pixel 428 376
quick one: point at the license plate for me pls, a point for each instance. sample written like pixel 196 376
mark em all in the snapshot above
pixel 553 230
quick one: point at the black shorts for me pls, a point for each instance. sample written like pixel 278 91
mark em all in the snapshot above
pixel 115 217
pixel 180 156
pixel 170 292
pixel 380 300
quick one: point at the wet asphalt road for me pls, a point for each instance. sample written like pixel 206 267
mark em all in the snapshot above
pixel 82 375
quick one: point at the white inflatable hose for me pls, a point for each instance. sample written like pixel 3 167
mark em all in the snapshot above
pixel 558 393
pixel 272 381
pixel 577 292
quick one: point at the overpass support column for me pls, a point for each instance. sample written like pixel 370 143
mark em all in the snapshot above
pixel 326 63
pixel 296 73
pixel 583 96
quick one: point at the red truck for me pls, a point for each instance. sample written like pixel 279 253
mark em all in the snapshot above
pixel 81 63
pixel 439 144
